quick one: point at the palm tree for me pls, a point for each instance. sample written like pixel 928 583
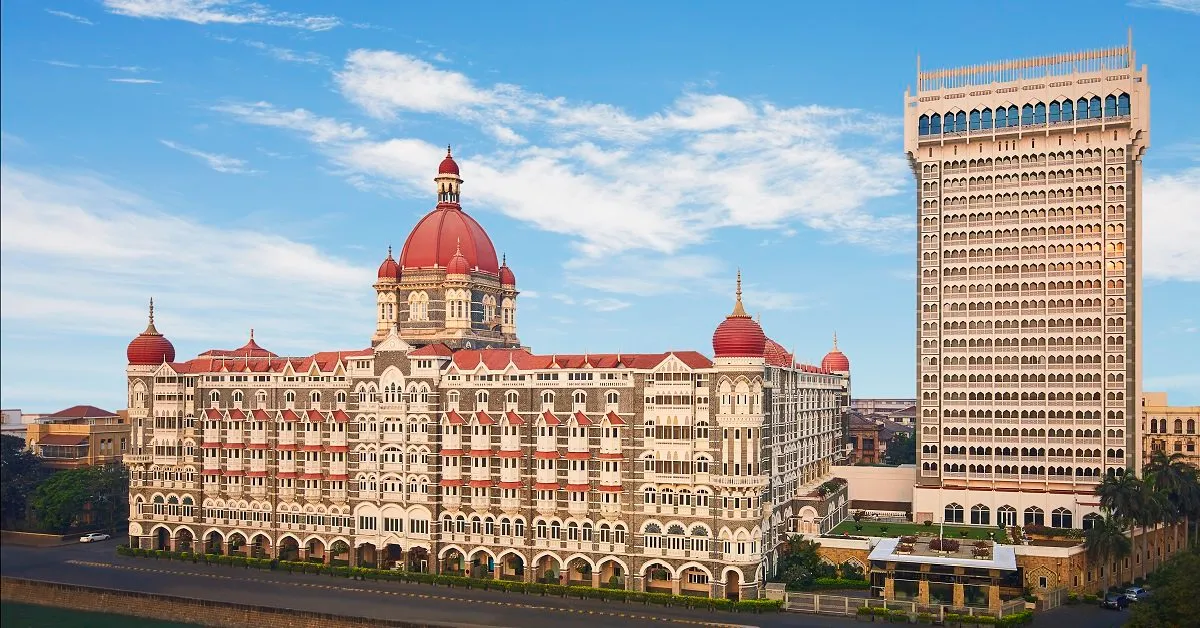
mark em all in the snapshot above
pixel 1107 543
pixel 1173 477
pixel 1120 495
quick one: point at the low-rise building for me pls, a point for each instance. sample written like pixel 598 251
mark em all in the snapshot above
pixel 1168 428
pixel 869 436
pixel 79 436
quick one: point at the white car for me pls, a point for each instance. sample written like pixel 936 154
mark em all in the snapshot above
pixel 1136 594
pixel 94 536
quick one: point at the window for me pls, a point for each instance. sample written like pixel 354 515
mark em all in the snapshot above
pixel 547 398
pixel 1006 515
pixel 954 514
pixel 1091 520
pixel 980 515
pixel 315 397
pixel 579 398
pixel 1035 516
pixel 611 398
pixel 1061 518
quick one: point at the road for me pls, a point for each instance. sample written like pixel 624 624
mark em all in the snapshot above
pixel 96 564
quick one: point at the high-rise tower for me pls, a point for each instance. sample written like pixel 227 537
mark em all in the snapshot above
pixel 1029 180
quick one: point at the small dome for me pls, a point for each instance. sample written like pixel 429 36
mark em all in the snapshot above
pixel 776 355
pixel 507 278
pixel 835 360
pixel 389 269
pixel 739 336
pixel 150 348
pixel 458 264
pixel 448 165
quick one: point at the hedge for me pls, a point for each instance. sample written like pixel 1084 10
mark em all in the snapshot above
pixel 529 588
pixel 837 583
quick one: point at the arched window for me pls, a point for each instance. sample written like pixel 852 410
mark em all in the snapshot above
pixel 935 124
pixel 981 515
pixel 1091 520
pixel 289 396
pixel 511 397
pixel 975 120
pixel 923 125
pixel 237 396
pixel 1110 106
pixel 612 397
pixel 547 398
pixel 954 513
pixel 341 396
pixel 1068 111
pixel 1006 515
pixel 1123 105
pixel 214 396
pixel 1035 516
pixel 579 398
pixel 1061 518
pixel 1055 112
pixel 1001 117
pixel 315 397
pixel 986 119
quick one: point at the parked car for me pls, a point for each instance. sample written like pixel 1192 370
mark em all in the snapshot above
pixel 94 536
pixel 1136 594
pixel 1114 601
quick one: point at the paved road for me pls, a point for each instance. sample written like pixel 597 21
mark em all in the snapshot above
pixel 96 564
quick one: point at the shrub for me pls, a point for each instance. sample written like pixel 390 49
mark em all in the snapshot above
pixel 1072 598
pixel 963 533
pixel 904 547
pixel 944 545
pixel 908 539
pixel 839 583
pixel 925 618
pixel 928 523
pixel 883 528
pixel 864 611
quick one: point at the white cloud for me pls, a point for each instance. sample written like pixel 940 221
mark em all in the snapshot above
pixel 607 304
pixel 1172 226
pixel 71 16
pixel 135 81
pixel 120 68
pixel 210 282
pixel 219 12
pixel 1186 6
pixel 218 162
pixel 278 52
pixel 318 129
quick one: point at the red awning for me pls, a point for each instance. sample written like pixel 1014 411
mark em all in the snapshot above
pixel 550 419
pixel 311 447
pixel 231 445
pixel 609 489
pixel 481 483
pixel 286 446
pixel 582 419
pixel 451 453
pixel 257 446
pixel 210 446
pixel 237 415
pixel 339 477
pixel 482 453
pixel 546 486
pixel 546 455
pixel 213 414
pixel 311 476
pixel 611 456
pixel 286 475
pixel 579 487
pixel 315 416
pixel 233 472
pixel 483 418
pixel 505 453
pixel 510 485
pixel 261 415
pixel 257 474
pixel 340 416
pixel 337 448
pixel 63 440
pixel 577 455
pixel 454 418
pixel 514 418
pixel 451 482
pixel 614 419
pixel 290 415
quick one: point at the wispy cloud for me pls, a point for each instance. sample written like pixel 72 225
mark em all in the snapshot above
pixel 318 129
pixel 135 81
pixel 71 16
pixel 120 68
pixel 219 12
pixel 1172 225
pixel 1186 6
pixel 277 52
pixel 220 281
pixel 216 161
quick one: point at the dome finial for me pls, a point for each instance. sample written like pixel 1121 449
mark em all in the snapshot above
pixel 389 250
pixel 504 259
pixel 151 310
pixel 738 310
pixel 251 334
pixel 458 246
pixel 448 150
pixel 835 341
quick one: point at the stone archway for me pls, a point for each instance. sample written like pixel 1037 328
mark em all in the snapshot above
pixel 453 562
pixel 366 555
pixel 314 551
pixel 512 567
pixel 579 572
pixel 392 556
pixel 481 564
pixel 184 541
pixel 214 543
pixel 162 539
pixel 733 584
pixel 289 548
pixel 612 575
pixel 548 569
pixel 418 560
pixel 237 545
pixel 657 577
pixel 260 546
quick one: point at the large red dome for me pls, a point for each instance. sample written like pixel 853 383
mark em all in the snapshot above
pixel 835 360
pixel 150 348
pixel 739 336
pixel 448 229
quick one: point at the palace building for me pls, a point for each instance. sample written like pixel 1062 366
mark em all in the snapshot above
pixel 447 446
pixel 1029 177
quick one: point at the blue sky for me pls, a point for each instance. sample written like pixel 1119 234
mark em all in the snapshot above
pixel 249 164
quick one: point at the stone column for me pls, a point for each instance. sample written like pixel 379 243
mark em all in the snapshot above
pixel 960 595
pixel 675 586
pixel 994 598
pixel 889 587
pixel 353 556
pixel 923 591
pixel 595 578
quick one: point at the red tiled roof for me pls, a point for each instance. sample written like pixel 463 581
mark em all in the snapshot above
pixel 545 455
pixel 481 483
pixel 510 485
pixel 550 419
pixel 286 446
pixel 611 456
pixel 451 482
pixel 451 453
pixel 315 416
pixel 454 417
pixel 286 475
pixel 578 487
pixel 609 489
pixel 340 416
pixel 81 412
pixel 546 486
pixel 582 419
pixel 233 472
pixel 213 414
pixel 221 360
pixel 311 476
pixel 483 418
pixel 514 418
pixel 482 453
pixel 236 415
pixel 339 477
pixel 311 447
pixel 577 455
pixel 290 415
pixel 261 415
pixel 499 359
pixel 436 349
pixel 257 474
pixel 257 446
pixel 64 440
pixel 337 448
pixel 614 418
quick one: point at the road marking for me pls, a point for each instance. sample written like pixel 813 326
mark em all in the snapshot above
pixel 674 620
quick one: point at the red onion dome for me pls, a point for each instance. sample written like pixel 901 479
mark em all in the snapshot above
pixel 776 355
pixel 739 336
pixel 507 278
pixel 835 360
pixel 150 348
pixel 458 264
pixel 447 230
pixel 448 165
pixel 389 269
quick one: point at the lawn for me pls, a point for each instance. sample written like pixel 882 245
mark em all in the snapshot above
pixel 870 528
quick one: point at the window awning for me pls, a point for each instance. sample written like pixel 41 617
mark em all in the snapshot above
pixel 63 440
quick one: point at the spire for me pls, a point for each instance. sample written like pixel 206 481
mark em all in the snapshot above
pixel 738 310
pixel 458 246
pixel 504 259
pixel 150 330
pixel 448 155
pixel 389 251
pixel 251 334
pixel 835 341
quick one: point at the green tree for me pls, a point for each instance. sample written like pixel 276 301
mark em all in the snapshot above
pixel 1107 543
pixel 1173 601
pixel 901 449
pixel 20 472
pixel 58 503
pixel 1178 481
pixel 800 564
